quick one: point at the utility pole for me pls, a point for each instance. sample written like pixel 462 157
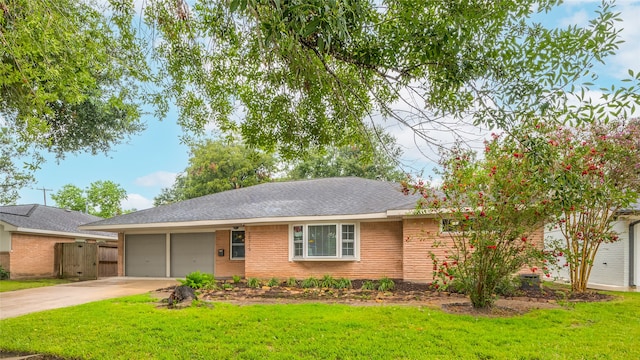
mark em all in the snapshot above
pixel 44 194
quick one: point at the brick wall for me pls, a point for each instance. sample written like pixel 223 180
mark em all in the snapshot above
pixel 32 256
pixel 419 236
pixel 224 266
pixel 267 254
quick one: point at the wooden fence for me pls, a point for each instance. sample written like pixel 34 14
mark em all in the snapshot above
pixel 86 260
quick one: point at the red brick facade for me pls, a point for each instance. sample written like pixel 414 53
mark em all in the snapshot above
pixel 224 266
pixel 398 249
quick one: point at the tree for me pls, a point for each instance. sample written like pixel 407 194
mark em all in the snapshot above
pixel 102 198
pixel 595 172
pixel 381 162
pixel 69 76
pixel 305 74
pixel 12 177
pixel 489 208
pixel 217 165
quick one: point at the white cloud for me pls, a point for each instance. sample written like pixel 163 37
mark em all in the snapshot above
pixel 136 201
pixel 629 52
pixel 158 178
pixel 580 18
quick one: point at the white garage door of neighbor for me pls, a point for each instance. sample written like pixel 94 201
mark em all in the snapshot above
pixel 192 252
pixel 145 255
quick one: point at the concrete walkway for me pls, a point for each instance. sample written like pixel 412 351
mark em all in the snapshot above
pixel 20 302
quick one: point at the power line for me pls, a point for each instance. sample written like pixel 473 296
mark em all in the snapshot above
pixel 44 194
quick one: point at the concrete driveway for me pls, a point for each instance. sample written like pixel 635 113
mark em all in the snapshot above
pixel 20 302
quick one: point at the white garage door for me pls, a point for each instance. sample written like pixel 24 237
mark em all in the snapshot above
pixel 192 252
pixel 145 255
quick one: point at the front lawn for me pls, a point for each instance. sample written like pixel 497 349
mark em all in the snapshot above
pixel 136 328
pixel 11 285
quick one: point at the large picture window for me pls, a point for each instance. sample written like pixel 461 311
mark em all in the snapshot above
pixel 324 241
pixel 237 244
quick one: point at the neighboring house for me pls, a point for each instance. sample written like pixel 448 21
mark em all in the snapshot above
pixel 28 234
pixel 616 265
pixel 346 227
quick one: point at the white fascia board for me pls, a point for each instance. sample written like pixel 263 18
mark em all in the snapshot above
pixel 7 226
pixel 235 222
pixel 65 234
pixel 420 212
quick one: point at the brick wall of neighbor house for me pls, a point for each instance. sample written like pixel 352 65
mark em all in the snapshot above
pixel 224 266
pixel 32 256
pixel 267 254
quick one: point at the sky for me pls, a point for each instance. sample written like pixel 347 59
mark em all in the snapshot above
pixel 150 160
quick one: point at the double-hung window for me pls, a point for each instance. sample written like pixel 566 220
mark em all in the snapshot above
pixel 324 241
pixel 237 244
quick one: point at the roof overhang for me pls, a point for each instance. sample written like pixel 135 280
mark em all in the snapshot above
pixel 61 233
pixel 235 222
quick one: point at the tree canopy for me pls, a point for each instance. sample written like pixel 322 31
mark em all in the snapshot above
pixel 379 161
pixel 305 74
pixel 70 75
pixel 219 165
pixel 102 198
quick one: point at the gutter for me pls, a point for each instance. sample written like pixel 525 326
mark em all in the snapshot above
pixel 632 235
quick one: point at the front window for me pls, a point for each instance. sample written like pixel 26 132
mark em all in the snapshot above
pixel 317 241
pixel 237 244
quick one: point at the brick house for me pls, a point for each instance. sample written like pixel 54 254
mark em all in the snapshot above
pixel 346 227
pixel 28 234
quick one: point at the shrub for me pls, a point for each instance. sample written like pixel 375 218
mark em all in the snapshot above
pixel 253 283
pixel 236 279
pixel 386 284
pixel 198 280
pixel 508 286
pixel 368 285
pixel 327 281
pixel 273 282
pixel 4 274
pixel 292 282
pixel 310 282
pixel 343 283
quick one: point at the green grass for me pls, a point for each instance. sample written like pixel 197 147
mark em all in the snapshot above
pixel 11 285
pixel 134 328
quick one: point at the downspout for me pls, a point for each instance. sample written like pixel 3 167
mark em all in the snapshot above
pixel 632 235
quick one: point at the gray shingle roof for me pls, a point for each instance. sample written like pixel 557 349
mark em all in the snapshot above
pixel 319 197
pixel 48 218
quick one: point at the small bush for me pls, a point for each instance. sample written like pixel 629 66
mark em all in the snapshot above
pixel 368 285
pixel 198 280
pixel 292 282
pixel 386 284
pixel 236 279
pixel 343 283
pixel 4 274
pixel 310 282
pixel 253 283
pixel 327 281
pixel 273 282
pixel 508 286
pixel 227 286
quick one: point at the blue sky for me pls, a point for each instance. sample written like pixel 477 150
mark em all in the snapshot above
pixel 150 160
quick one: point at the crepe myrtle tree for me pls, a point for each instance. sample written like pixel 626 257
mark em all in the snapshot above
pixel 489 209
pixel 596 173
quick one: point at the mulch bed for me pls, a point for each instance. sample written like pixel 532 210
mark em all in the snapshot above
pixel 404 293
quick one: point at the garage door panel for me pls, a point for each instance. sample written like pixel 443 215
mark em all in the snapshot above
pixel 192 252
pixel 145 255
